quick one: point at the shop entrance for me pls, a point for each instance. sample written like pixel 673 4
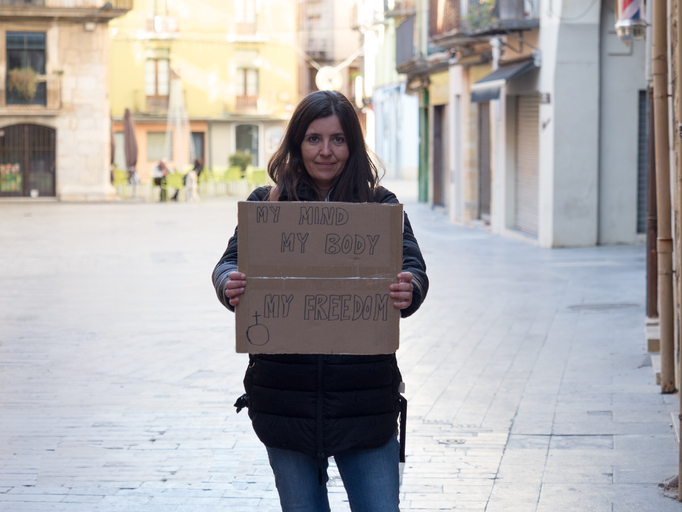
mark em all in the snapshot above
pixel 27 161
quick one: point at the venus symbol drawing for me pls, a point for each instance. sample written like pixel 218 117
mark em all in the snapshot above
pixel 257 334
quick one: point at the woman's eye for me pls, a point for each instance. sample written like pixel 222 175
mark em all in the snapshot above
pixel 339 140
pixel 313 138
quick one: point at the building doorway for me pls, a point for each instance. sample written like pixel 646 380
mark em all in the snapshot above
pixel 484 161
pixel 527 164
pixel 438 157
pixel 198 141
pixel 27 161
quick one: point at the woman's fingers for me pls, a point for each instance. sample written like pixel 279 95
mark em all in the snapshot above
pixel 235 287
pixel 401 292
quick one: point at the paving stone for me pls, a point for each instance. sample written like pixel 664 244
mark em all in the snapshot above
pixel 118 371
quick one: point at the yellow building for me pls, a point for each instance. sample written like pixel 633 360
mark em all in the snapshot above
pixel 237 64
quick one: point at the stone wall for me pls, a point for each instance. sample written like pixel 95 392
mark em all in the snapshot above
pixel 83 128
pixel 79 58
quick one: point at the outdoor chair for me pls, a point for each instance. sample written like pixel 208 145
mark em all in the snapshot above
pixel 256 177
pixel 234 180
pixel 217 178
pixel 174 181
pixel 121 182
pixel 205 181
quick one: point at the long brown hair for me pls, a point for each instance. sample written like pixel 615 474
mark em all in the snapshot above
pixel 358 180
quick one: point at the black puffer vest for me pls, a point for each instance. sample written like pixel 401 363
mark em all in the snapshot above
pixel 322 405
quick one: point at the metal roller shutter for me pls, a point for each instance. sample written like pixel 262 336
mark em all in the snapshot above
pixel 484 161
pixel 527 153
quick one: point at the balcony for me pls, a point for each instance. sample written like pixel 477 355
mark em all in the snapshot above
pixel 160 27
pixel 444 16
pixel 489 18
pixel 318 45
pixel 246 29
pixel 64 9
pixel 157 105
pixel 247 103
pixel 411 61
pixel 399 8
pixel 46 101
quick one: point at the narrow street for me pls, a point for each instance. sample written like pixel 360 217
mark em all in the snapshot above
pixel 528 381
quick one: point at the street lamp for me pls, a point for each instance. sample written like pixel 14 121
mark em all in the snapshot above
pixel 629 23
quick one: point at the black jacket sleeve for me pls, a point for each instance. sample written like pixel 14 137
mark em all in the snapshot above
pixel 228 262
pixel 413 261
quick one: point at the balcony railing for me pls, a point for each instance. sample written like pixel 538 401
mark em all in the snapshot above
pixel 79 4
pixel 404 38
pixel 48 97
pixel 246 29
pixel 89 10
pixel 247 102
pixel 157 104
pixel 484 19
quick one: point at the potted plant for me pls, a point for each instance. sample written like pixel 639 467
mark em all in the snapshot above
pixel 481 16
pixel 22 82
pixel 241 159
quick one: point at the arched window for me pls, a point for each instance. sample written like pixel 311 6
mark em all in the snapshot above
pixel 247 141
pixel 27 161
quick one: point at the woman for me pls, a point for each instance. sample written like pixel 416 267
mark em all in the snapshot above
pixel 306 408
pixel 191 181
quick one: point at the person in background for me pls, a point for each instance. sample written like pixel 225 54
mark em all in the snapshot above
pixel 198 166
pixel 307 408
pixel 191 182
pixel 159 174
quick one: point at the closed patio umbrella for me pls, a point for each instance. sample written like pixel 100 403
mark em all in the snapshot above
pixel 130 148
pixel 129 140
pixel 113 148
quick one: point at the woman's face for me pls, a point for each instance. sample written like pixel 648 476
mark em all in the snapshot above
pixel 324 151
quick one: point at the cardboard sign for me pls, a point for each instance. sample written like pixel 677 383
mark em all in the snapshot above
pixel 318 277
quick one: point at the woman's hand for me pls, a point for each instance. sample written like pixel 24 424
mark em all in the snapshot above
pixel 402 291
pixel 235 287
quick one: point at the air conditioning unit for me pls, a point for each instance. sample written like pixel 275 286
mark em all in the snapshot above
pixel 165 24
pixel 511 9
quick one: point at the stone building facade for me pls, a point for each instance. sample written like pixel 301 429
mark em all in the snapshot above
pixel 55 124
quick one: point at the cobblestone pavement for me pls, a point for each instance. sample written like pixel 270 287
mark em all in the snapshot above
pixel 529 384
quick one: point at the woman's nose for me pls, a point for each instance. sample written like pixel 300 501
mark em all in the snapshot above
pixel 326 148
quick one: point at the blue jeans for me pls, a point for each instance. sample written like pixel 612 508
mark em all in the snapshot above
pixel 370 477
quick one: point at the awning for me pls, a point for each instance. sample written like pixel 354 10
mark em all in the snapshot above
pixel 488 88
pixel 485 95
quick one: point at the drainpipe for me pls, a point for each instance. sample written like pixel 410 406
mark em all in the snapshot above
pixel 496 46
pixel 678 201
pixel 664 243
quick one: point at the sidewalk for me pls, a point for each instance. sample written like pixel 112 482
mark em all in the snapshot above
pixel 527 376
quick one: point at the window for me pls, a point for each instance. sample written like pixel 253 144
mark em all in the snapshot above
pixel 245 11
pixel 157 84
pixel 25 80
pixel 156 77
pixel 156 145
pixel 246 87
pixel 245 17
